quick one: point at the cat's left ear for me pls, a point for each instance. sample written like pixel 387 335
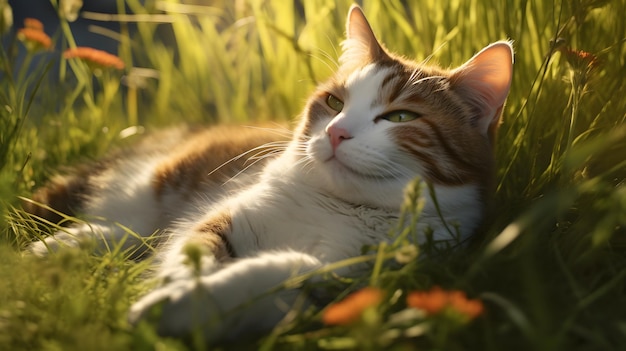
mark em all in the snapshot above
pixel 361 46
pixel 485 81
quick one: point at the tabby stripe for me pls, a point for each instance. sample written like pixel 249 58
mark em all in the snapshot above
pixel 388 79
pixel 447 148
pixel 397 91
pixel 213 234
pixel 229 247
pixel 417 137
pixel 432 167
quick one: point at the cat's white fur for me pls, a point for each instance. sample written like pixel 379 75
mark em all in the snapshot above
pixel 303 213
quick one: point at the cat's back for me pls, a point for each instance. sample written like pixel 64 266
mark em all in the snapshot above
pixel 167 170
pixel 215 156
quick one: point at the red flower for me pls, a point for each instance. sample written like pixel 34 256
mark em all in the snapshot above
pixel 95 57
pixel 350 309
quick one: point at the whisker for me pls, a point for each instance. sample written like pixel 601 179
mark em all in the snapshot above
pixel 273 149
pixel 327 59
pixel 269 145
pixel 243 170
pixel 262 155
pixel 427 78
pixel 412 77
pixel 279 130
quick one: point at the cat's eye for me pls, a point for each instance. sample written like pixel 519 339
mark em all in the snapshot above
pixel 333 102
pixel 400 116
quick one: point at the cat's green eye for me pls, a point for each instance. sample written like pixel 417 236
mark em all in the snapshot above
pixel 400 116
pixel 333 102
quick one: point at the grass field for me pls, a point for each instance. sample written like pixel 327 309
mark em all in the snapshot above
pixel 549 265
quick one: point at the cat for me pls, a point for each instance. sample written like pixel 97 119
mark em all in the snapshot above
pixel 300 203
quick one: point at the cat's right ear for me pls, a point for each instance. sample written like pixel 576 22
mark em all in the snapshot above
pixel 361 46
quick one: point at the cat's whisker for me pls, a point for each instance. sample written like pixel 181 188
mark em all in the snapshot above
pixel 279 130
pixel 391 174
pixel 421 80
pixel 260 156
pixel 243 170
pixel 334 46
pixel 414 74
pixel 304 164
pixel 395 171
pixel 264 154
pixel 327 59
pixel 269 145
pixel 426 60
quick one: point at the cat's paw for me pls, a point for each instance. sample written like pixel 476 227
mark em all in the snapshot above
pixel 248 296
pixel 98 238
pixel 53 244
pixel 178 309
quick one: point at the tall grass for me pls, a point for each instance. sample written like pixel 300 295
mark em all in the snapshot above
pixel 549 264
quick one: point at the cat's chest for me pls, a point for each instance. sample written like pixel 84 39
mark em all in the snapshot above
pixel 325 227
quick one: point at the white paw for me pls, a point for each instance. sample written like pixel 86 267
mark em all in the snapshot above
pixel 180 308
pixel 179 267
pixel 53 244
pixel 245 296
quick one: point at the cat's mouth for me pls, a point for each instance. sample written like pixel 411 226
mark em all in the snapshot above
pixel 343 167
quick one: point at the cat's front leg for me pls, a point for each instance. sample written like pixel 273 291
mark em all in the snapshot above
pixel 70 237
pixel 247 295
pixel 97 236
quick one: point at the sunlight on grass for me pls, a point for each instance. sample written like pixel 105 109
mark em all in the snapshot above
pixel 548 265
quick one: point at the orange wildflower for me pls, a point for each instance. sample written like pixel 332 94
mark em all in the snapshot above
pixel 432 302
pixel 468 307
pixel 350 309
pixel 34 38
pixel 33 23
pixel 580 59
pixel 95 57
pixel 437 300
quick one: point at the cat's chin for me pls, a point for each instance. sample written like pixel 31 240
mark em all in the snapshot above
pixel 344 170
pixel 342 182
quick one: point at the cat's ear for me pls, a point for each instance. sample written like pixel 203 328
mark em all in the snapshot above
pixel 485 81
pixel 360 46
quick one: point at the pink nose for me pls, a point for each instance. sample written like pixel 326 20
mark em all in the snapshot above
pixel 337 135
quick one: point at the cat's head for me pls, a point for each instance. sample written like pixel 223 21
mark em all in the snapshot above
pixel 381 120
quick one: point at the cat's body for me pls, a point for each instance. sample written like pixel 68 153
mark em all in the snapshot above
pixel 337 186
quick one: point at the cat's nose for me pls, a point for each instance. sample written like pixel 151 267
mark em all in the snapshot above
pixel 337 135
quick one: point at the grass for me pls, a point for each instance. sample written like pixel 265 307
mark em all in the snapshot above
pixel 549 264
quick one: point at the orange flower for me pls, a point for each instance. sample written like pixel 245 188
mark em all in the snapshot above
pixel 95 57
pixel 432 302
pixel 437 300
pixel 467 307
pixel 34 38
pixel 580 59
pixel 33 23
pixel 352 307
